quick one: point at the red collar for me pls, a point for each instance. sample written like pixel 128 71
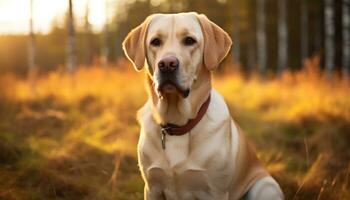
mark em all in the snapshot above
pixel 173 129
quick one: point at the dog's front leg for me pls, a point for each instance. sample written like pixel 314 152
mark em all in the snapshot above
pixel 153 195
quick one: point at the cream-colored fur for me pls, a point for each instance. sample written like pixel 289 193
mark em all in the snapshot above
pixel 213 161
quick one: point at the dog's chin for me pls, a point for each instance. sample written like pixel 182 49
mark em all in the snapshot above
pixel 170 88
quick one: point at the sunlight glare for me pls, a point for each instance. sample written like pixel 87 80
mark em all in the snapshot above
pixel 15 14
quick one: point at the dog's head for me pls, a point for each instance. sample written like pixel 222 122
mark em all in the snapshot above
pixel 175 47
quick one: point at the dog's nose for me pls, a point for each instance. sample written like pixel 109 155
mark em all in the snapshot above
pixel 168 64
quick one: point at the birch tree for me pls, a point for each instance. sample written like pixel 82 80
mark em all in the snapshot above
pixel 88 38
pixel 105 49
pixel 31 41
pixel 304 34
pixel 282 36
pixel 71 40
pixel 235 33
pixel 346 38
pixel 261 37
pixel 329 36
pixel 317 36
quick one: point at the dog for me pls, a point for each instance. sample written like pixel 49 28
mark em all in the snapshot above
pixel 189 146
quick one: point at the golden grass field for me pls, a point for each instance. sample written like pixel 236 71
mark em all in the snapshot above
pixel 73 136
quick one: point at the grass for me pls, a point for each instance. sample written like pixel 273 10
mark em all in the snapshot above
pixel 73 136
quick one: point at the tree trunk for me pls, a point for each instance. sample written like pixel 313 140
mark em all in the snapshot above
pixel 282 36
pixel 88 36
pixel 251 56
pixel 71 40
pixel 318 39
pixel 346 38
pixel 31 41
pixel 261 37
pixel 105 49
pixel 235 33
pixel 304 45
pixel 329 37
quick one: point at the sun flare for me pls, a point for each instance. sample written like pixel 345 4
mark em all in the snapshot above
pixel 15 14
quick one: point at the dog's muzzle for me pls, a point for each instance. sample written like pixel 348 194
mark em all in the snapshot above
pixel 168 68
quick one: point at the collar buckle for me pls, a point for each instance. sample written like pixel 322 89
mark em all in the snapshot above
pixel 165 130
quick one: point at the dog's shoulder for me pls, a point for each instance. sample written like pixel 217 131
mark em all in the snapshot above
pixel 218 109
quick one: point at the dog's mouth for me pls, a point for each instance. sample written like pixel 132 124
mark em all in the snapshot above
pixel 171 87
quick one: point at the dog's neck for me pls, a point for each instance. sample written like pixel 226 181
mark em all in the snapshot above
pixel 175 109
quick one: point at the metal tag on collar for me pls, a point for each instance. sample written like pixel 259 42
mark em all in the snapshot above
pixel 164 132
pixel 163 140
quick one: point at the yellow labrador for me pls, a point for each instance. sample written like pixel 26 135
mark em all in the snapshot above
pixel 189 146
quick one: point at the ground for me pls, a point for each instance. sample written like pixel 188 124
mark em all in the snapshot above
pixel 74 136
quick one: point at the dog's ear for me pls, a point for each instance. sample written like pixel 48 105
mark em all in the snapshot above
pixel 217 42
pixel 134 44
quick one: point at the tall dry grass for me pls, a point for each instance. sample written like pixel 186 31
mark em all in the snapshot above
pixel 73 136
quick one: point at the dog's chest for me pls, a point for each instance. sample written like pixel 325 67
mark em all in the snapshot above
pixel 175 174
pixel 181 171
pixel 177 149
pixel 192 166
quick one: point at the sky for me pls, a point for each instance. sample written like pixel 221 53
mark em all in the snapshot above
pixel 15 14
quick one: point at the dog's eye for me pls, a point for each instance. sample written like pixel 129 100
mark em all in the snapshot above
pixel 188 41
pixel 156 42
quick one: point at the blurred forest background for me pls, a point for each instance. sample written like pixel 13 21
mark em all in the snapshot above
pixel 269 36
pixel 68 96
